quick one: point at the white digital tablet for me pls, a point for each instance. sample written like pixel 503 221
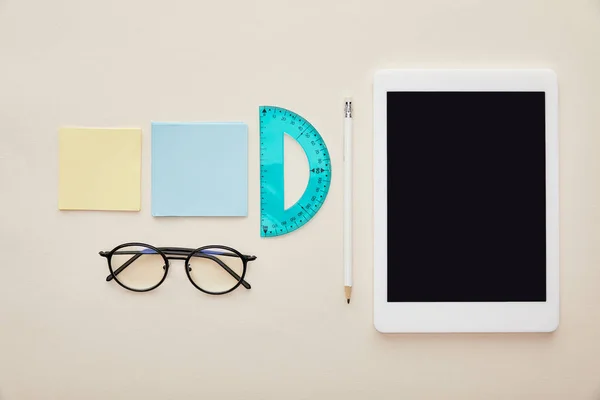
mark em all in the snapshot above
pixel 466 201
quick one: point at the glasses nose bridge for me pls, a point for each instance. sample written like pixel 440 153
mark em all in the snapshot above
pixel 176 257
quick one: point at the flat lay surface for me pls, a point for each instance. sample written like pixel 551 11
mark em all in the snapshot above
pixel 66 333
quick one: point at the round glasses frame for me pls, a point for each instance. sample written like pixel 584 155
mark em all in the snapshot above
pixel 177 253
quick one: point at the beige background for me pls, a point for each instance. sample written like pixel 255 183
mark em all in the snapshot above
pixel 65 333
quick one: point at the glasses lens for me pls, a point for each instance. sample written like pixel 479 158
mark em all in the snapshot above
pixel 138 267
pixel 215 270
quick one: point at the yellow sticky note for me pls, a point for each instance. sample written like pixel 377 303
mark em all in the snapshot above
pixel 100 169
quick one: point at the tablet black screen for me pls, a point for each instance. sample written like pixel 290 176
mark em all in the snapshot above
pixel 466 196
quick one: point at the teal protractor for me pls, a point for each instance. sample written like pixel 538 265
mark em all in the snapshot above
pixel 275 220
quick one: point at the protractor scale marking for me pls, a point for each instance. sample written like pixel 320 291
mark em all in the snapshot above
pixel 275 219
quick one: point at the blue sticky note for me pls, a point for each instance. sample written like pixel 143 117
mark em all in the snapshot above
pixel 199 169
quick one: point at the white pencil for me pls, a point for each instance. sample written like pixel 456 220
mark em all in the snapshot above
pixel 348 199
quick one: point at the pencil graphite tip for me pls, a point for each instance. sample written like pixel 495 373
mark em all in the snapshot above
pixel 347 293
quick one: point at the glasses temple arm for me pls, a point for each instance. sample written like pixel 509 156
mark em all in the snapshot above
pixel 122 267
pixel 183 250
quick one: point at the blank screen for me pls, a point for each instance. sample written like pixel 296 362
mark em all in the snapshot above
pixel 466 196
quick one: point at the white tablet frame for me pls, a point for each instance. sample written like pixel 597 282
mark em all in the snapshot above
pixel 476 316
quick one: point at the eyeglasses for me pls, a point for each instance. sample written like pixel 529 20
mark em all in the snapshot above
pixel 212 269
